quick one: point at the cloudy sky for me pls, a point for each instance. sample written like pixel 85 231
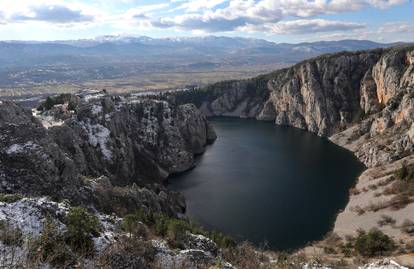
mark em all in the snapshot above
pixel 276 20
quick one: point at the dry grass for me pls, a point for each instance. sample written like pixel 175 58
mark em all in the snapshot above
pixel 386 220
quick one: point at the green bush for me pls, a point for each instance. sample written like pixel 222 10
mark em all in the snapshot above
pixel 57 100
pixel 172 229
pixel 160 224
pixel 49 103
pixel 405 173
pixel 128 253
pixel 134 227
pixel 9 235
pixel 10 198
pixel 81 227
pixel 223 241
pixel 50 247
pixel 72 105
pixel 373 243
pixel 176 232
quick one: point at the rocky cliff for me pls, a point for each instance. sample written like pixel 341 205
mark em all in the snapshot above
pixel 82 148
pixel 108 155
pixel 322 95
pixel 362 101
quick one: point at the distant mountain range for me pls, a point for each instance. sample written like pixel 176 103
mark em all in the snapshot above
pixel 125 63
pixel 193 50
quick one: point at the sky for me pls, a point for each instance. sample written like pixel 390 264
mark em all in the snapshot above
pixel 289 21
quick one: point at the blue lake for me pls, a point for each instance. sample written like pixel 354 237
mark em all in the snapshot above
pixel 267 184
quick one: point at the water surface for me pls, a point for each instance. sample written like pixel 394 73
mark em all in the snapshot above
pixel 267 184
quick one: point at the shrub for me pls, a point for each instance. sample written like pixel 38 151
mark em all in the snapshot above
pixel 358 209
pixel 128 253
pixel 81 227
pixel 396 187
pixel 49 103
pixel 9 235
pixel 56 100
pixel 160 224
pixel 354 191
pixel 132 225
pixel 50 247
pixel 373 243
pixel 405 173
pixel 346 249
pixel 223 241
pixel 399 201
pixel 145 217
pixel 174 229
pixel 72 105
pixel 245 256
pixel 386 220
pixel 176 232
pixel 329 250
pixel 10 198
pixel 407 227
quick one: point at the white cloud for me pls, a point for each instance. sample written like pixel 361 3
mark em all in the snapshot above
pixel 196 5
pixel 303 27
pixel 279 17
pixel 48 11
pixel 52 13
pixel 264 14
pixel 396 27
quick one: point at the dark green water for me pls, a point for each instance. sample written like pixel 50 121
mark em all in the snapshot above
pixel 264 183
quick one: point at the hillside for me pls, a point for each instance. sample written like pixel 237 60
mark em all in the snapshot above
pixel 362 101
pixel 97 161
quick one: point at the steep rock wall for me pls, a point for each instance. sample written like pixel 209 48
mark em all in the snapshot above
pixel 322 95
pixel 98 148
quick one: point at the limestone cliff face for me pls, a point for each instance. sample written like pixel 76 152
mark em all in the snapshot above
pixel 322 95
pixel 87 149
pixel 382 136
pixel 362 101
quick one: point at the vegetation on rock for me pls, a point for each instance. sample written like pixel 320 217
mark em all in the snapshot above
pixel 81 227
pixel 10 198
pixel 9 235
pixel 373 243
pixel 50 247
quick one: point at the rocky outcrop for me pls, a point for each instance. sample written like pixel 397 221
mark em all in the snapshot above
pixel 322 95
pixel 28 218
pixel 69 149
pixel 362 101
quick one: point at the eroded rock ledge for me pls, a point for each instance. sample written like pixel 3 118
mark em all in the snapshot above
pixel 321 95
pixel 86 148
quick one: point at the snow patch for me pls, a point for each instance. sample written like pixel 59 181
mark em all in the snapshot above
pixel 90 97
pixel 109 234
pixel 99 135
pixel 96 109
pixel 383 264
pixel 46 120
pixel 20 148
pixel 314 266
pixel 28 214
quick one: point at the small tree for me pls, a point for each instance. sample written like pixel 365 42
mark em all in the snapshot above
pixel 130 224
pixel 72 105
pixel 9 235
pixel 176 232
pixel 49 103
pixel 373 243
pixel 81 227
pixel 50 247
